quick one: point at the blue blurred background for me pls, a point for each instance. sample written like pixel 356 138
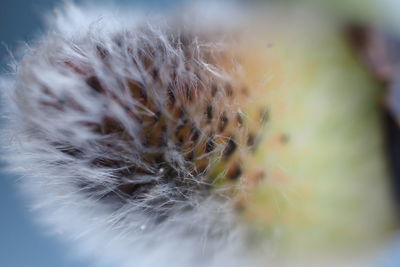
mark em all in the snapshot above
pixel 23 242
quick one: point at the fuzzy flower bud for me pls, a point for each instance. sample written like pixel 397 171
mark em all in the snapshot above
pixel 120 125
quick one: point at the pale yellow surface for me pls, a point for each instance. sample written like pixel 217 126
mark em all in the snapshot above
pixel 327 185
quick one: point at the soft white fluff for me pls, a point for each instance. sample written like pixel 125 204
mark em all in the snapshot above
pixel 51 112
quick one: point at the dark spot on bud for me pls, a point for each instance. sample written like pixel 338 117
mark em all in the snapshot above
pixel 111 125
pixel 195 134
pixel 229 90
pixel 239 120
pixel 73 152
pixel 138 91
pixel 180 141
pixel 230 148
pixel 209 113
pixel 128 189
pixel 157 116
pixel 94 83
pixel 252 142
pixel 189 93
pixel 179 130
pixel 210 144
pixel 171 95
pixel 155 73
pixel 235 172
pixel 102 52
pixel 159 160
pixel 214 90
pixel 182 115
pixel 223 122
pixel 162 142
pixel 284 138
pixel 190 156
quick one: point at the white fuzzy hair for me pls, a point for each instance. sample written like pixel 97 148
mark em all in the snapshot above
pixel 75 78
